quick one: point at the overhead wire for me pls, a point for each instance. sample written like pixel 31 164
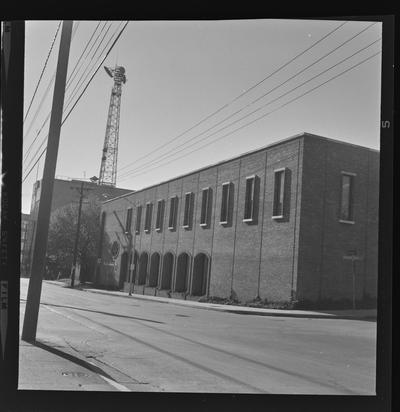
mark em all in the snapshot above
pixel 243 93
pixel 48 115
pixel 80 96
pixel 260 117
pixel 173 149
pixel 41 104
pixel 43 70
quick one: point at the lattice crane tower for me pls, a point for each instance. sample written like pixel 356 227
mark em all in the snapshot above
pixel 108 168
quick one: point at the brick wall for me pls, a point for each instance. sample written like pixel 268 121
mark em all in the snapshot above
pixel 299 255
pixel 324 240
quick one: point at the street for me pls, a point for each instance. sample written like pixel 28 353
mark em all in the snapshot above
pixel 149 346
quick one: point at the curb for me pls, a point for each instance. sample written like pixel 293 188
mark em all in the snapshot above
pixel 235 310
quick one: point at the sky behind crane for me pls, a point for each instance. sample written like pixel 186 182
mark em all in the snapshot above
pixel 178 73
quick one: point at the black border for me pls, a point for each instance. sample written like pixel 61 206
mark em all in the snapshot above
pixel 99 401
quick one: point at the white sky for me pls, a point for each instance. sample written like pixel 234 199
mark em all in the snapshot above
pixel 180 72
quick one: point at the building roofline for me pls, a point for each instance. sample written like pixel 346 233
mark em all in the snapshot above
pixel 277 143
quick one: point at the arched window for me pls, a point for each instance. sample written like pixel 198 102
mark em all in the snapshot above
pixel 200 274
pixel 182 273
pixel 143 261
pixel 154 269
pixel 167 270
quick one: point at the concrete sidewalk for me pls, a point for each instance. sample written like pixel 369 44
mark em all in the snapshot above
pixel 47 366
pixel 357 314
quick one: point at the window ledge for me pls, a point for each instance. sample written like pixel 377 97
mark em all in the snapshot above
pixel 203 224
pixel 223 223
pixel 277 217
pixel 248 220
pixel 158 229
pixel 349 222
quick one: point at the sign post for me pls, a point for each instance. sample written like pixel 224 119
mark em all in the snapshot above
pixel 352 255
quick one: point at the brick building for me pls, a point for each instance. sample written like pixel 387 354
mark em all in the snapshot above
pixel 273 224
pixel 65 192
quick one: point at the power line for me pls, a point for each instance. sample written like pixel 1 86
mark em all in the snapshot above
pixel 41 104
pixel 242 94
pixel 173 149
pixel 94 53
pixel 48 115
pixel 71 76
pixel 264 115
pixel 249 114
pixel 76 102
pixel 43 69
pixel 71 97
pixel 98 58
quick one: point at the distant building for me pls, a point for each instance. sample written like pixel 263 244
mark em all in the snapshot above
pixel 66 192
pixel 274 223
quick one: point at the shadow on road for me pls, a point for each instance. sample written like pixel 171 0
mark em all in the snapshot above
pixel 101 312
pixel 73 359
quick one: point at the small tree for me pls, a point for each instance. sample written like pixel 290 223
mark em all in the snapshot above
pixel 61 238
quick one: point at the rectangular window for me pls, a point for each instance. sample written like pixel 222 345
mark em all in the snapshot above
pixel 249 204
pixel 225 203
pixel 160 215
pixel 205 206
pixel 147 221
pixel 173 210
pixel 128 220
pixel 138 219
pixel 187 217
pixel 279 194
pixel 346 199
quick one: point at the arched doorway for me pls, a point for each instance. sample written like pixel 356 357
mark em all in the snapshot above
pixel 167 269
pixel 154 269
pixel 123 272
pixel 182 273
pixel 200 274
pixel 143 261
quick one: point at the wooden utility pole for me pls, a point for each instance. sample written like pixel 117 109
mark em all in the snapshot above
pixel 78 229
pixel 46 194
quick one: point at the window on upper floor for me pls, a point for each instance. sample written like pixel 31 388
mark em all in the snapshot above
pixel 250 200
pixel 173 210
pixel 226 200
pixel 279 194
pixel 138 219
pixel 128 222
pixel 160 215
pixel 147 221
pixel 188 212
pixel 205 207
pixel 346 212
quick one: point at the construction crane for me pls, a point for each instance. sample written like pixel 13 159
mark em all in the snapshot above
pixel 108 168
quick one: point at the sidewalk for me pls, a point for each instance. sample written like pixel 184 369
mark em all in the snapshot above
pixel 357 314
pixel 43 366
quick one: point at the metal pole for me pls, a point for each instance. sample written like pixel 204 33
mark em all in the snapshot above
pixel 130 263
pixel 354 282
pixel 78 228
pixel 46 195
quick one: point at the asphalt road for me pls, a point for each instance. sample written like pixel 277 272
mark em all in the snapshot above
pixel 150 346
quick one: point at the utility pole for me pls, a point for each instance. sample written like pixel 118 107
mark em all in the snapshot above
pixel 46 195
pixel 78 229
